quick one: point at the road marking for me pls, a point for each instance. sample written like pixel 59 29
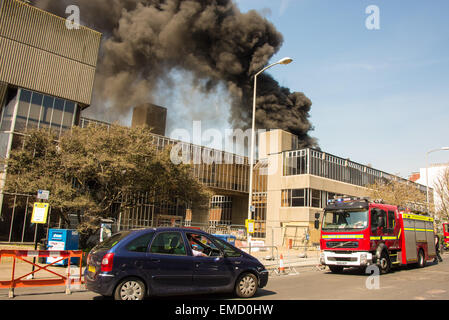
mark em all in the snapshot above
pixel 436 291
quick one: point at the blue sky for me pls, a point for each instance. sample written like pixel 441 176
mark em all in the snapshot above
pixel 379 96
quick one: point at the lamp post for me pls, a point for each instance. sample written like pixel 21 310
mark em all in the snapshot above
pixel 427 173
pixel 285 60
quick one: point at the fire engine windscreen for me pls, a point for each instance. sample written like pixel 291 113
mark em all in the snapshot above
pixel 446 228
pixel 344 220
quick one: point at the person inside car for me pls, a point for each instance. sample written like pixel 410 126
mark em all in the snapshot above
pixel 196 249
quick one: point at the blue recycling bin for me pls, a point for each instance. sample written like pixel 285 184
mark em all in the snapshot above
pixel 62 239
pixel 226 237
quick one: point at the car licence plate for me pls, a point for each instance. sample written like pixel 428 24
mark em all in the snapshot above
pixel 91 269
pixel 342 262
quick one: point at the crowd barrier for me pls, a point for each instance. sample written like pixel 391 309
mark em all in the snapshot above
pixel 26 281
pixel 264 248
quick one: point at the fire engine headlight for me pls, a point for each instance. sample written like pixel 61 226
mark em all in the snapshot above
pixel 363 259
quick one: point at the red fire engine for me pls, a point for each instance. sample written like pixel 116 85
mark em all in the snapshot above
pixel 357 232
pixel 446 235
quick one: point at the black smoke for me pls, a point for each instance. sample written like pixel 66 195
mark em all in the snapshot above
pixel 143 40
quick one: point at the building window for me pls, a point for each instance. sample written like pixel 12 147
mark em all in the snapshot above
pixel 294 197
pixel 298 198
pixel 315 197
pixel 220 210
pixel 295 162
pixel 260 214
pixel 36 110
pixel 8 109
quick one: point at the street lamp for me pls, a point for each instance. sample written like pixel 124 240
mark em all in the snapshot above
pixel 285 60
pixel 427 173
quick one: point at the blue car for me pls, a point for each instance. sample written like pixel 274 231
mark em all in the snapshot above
pixel 131 265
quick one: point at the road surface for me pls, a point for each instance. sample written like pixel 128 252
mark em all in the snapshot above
pixel 429 283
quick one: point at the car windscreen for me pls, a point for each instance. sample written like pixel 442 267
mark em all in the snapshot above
pixel 111 241
pixel 344 219
pixel 228 250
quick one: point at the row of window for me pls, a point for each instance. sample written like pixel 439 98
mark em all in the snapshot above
pixel 36 110
pixel 309 161
pixel 173 243
pixel 305 198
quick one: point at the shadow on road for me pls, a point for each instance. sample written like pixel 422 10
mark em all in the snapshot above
pixel 355 271
pixel 217 296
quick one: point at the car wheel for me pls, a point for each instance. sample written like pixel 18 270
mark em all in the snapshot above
pixel 421 259
pixel 246 285
pixel 130 289
pixel 336 269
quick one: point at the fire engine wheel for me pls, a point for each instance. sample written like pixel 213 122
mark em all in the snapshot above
pixel 421 259
pixel 384 263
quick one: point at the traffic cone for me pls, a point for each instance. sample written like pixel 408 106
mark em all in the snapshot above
pixel 281 264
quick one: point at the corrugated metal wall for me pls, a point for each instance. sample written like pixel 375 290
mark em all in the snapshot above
pixel 40 53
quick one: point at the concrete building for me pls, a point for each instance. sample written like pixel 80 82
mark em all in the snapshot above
pixel 46 78
pixel 152 116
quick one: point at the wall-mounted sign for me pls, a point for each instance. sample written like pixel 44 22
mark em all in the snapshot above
pixel 40 211
pixel 249 225
pixel 43 194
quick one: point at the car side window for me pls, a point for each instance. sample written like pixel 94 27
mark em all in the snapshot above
pixel 202 246
pixel 168 243
pixel 141 243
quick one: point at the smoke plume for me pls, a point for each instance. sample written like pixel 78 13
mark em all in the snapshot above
pixel 144 40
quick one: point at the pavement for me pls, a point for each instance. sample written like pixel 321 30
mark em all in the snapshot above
pixel 291 257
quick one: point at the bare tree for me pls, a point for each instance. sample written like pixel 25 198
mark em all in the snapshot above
pixel 441 188
pixel 397 193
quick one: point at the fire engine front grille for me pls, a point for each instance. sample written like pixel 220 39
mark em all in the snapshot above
pixel 342 244
pixel 341 259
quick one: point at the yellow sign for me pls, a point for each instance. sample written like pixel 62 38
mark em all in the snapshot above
pixel 343 236
pixel 417 217
pixel 249 224
pixel 40 211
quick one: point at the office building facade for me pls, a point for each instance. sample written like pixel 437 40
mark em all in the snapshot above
pixel 46 78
